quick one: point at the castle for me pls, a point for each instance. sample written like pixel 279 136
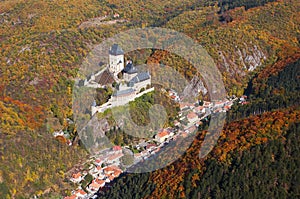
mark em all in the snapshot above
pixel 133 83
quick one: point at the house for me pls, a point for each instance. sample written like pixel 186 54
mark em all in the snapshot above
pixel 80 194
pixel 150 147
pixel 162 136
pixel 109 177
pixel 112 172
pixel 76 178
pixel 117 148
pixel 101 182
pixel 96 185
pixel 192 117
pixel 117 173
pixel 93 187
pixel 108 170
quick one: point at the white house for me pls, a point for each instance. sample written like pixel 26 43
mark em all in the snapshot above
pixel 163 135
pixel 80 194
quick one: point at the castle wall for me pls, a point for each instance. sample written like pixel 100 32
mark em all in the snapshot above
pixel 138 86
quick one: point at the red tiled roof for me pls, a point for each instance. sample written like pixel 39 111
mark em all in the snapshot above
pixel 111 177
pixel 163 134
pixel 117 173
pixel 80 191
pixel 76 175
pixel 227 107
pixel 108 169
pixel 117 148
pixel 99 181
pixel 94 185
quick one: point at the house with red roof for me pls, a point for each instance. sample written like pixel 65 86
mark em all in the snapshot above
pixel 117 148
pixel 162 136
pixel 96 185
pixel 76 177
pixel 80 194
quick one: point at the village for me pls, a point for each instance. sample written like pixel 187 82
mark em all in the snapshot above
pixel 102 169
pixel 108 166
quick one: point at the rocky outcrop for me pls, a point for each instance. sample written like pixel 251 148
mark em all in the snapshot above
pixel 243 59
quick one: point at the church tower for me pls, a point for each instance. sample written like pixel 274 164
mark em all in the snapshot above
pixel 116 59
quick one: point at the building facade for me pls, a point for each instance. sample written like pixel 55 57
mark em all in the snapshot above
pixel 116 59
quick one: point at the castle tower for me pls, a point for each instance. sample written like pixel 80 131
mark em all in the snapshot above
pixel 116 59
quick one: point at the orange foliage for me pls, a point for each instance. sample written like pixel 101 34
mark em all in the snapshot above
pixel 242 135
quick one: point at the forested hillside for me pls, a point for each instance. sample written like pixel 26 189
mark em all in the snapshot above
pixel 255 156
pixel 272 134
pixel 42 45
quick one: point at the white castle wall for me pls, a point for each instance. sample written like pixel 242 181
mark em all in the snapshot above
pixel 114 102
pixel 138 86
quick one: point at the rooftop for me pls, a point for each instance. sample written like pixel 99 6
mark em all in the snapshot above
pixel 105 78
pixel 163 134
pixel 76 175
pixel 130 69
pixel 139 78
pixel 124 92
pixel 116 50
